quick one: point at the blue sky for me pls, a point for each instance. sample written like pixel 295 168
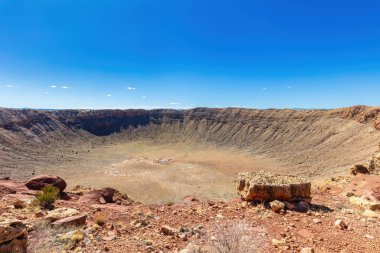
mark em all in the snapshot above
pixel 180 54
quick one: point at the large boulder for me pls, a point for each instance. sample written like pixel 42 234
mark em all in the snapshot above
pixel 38 182
pixel 359 169
pixel 13 237
pixel 266 186
pixel 102 196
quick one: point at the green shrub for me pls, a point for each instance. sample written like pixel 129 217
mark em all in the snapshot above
pixel 47 197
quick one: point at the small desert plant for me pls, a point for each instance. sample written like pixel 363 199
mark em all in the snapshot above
pixel 235 237
pixel 170 203
pixel 100 218
pixel 47 196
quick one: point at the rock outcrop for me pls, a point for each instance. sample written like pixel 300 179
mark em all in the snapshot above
pixel 77 220
pixel 102 196
pixel 359 169
pixel 38 182
pixel 13 237
pixel 265 186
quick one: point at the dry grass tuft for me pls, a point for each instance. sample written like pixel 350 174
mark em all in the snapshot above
pixel 100 218
pixel 236 237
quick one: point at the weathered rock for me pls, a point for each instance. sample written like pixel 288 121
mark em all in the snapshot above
pixel 17 245
pixel 77 220
pixel 189 199
pixel 370 214
pixel 359 168
pixel 166 230
pixel 302 207
pixel 38 182
pixel 111 235
pixel 375 207
pixel 265 186
pixel 359 201
pixel 277 206
pixel 13 237
pixel 289 206
pixel 19 204
pixel 5 190
pixel 340 224
pixel 61 213
pixel 376 193
pixel 279 243
pixel 307 250
pixel 11 230
pixel 102 196
pixel 374 164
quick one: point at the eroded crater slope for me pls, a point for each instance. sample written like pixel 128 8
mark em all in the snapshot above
pixel 161 154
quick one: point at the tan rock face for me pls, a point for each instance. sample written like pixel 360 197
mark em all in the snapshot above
pixel 61 213
pixel 277 206
pixel 265 186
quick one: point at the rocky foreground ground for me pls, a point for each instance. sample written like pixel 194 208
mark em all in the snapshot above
pixel 343 216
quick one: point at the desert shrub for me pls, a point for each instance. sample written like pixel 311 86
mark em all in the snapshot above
pixel 100 218
pixel 236 237
pixel 47 196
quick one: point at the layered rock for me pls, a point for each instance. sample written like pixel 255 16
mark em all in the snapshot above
pixel 265 186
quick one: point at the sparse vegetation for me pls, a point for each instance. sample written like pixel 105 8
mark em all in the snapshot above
pixel 48 195
pixel 235 237
pixel 100 218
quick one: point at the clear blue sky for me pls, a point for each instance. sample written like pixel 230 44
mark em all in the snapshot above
pixel 283 53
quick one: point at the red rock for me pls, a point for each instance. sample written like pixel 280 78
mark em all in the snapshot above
pixel 289 206
pixel 102 196
pixel 107 193
pixel 102 200
pixel 11 231
pixel 305 233
pixel 376 193
pixel 77 220
pixel 38 182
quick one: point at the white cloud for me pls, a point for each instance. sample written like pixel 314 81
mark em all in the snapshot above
pixel 53 86
pixel 9 86
pixel 64 87
pixel 144 97
pixel 174 103
pixel 109 95
pixel 131 88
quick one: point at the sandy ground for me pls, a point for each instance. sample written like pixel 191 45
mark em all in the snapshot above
pixel 153 173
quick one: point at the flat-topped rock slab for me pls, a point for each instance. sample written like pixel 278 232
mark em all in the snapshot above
pixel 267 186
